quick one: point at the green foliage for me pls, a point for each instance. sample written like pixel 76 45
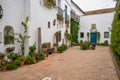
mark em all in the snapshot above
pixel 32 48
pixel 49 3
pixel 29 59
pixel 106 43
pixel 74 30
pixel 40 56
pixel 13 55
pixel 62 48
pixel 81 41
pixel 3 63
pixel 16 62
pixel 1 56
pixel 22 38
pixel 11 66
pixel 22 58
pixel 115 31
pixel 84 45
pixel 75 44
pixel 68 36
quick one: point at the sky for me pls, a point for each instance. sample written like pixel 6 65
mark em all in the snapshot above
pixel 87 5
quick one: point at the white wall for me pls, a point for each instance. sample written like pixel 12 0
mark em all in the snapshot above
pixel 40 15
pixel 102 21
pixel 77 11
pixel 13 14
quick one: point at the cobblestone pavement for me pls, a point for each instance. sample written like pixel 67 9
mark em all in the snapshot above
pixel 73 64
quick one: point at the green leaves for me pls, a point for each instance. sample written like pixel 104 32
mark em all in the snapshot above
pixel 22 38
pixel 115 32
pixel 74 30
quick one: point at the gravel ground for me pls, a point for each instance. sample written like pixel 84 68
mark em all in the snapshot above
pixel 73 64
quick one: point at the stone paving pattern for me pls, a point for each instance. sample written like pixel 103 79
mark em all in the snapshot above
pixel 73 64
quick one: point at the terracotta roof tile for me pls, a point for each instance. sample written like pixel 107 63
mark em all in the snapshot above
pixel 101 11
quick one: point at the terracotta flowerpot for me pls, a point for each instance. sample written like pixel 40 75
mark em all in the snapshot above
pixel 22 63
pixel 34 59
pixel 4 68
pixel 55 49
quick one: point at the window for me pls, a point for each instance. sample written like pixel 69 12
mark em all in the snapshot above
pixel 8 35
pixel 106 34
pixel 59 3
pixel 48 24
pixel 65 12
pixel 82 35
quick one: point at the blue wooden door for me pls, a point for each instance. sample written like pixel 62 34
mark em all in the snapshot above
pixel 93 38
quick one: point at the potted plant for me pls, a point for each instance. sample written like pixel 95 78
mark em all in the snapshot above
pixel 22 60
pixel 55 46
pixel 1 57
pixel 4 65
pixel 49 3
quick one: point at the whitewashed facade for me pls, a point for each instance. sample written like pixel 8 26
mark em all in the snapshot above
pixel 102 21
pixel 14 12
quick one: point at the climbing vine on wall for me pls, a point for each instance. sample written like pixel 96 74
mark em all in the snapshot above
pixel 74 30
pixel 115 31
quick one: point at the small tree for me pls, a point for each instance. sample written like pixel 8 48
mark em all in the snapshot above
pixel 98 37
pixel 22 38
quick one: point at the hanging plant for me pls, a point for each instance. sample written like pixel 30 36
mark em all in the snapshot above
pixel 50 3
pixel 60 17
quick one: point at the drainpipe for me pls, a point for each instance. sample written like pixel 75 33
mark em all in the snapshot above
pixel 39 40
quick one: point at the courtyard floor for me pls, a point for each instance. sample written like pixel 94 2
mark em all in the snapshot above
pixel 73 64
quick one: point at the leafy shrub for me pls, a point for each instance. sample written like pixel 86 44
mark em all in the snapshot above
pixel 22 58
pixel 62 48
pixel 101 44
pixel 16 62
pixel 81 41
pixel 85 45
pixel 11 66
pixel 3 63
pixel 29 59
pixel 13 55
pixel 115 31
pixel 40 56
pixel 106 43
pixel 32 48
pixel 74 44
